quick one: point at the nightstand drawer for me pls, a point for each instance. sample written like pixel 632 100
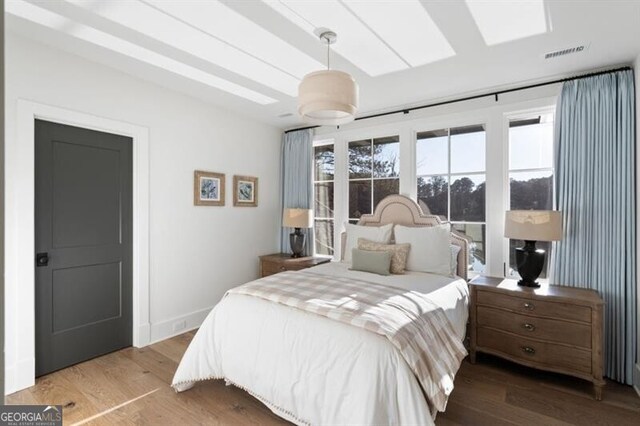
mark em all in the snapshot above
pixel 273 268
pixel 535 307
pixel 539 328
pixel 533 352
pixel 279 262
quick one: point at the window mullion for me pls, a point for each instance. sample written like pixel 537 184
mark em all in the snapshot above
pixel 449 174
pixel 371 181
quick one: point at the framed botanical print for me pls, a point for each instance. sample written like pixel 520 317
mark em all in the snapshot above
pixel 245 191
pixel 208 188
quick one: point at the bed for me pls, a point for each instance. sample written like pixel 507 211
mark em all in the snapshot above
pixel 313 368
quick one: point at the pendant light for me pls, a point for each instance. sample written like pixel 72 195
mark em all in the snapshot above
pixel 328 97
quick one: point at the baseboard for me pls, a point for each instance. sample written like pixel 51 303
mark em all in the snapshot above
pixel 636 378
pixel 143 336
pixel 20 375
pixel 178 325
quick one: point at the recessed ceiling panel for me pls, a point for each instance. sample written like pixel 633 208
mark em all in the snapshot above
pixel 406 27
pixel 57 22
pixel 223 23
pixel 356 42
pixel 504 21
pixel 173 32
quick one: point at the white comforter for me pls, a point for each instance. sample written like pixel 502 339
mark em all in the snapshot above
pixel 311 369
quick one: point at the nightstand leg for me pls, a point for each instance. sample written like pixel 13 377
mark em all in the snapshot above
pixel 597 390
pixel 472 356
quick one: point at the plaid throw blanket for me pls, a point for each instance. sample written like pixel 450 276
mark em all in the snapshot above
pixel 413 324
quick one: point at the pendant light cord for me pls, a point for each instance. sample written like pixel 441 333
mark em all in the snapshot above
pixel 328 54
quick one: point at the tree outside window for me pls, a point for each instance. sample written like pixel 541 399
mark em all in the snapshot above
pixel 374 173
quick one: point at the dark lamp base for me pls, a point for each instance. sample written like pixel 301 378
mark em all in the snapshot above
pixel 524 283
pixel 296 239
pixel 530 262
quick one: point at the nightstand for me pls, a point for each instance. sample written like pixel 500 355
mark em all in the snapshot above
pixel 273 263
pixel 552 328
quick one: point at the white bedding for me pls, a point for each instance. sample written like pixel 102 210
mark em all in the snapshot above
pixel 311 369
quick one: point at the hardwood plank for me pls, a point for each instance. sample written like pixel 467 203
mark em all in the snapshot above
pixel 97 388
pixel 468 386
pixel 154 362
pixel 23 397
pixel 570 408
pixel 460 413
pixel 508 412
pixel 233 404
pixel 443 421
pixel 56 389
pixel 175 347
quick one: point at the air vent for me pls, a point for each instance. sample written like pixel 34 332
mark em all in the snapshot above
pixel 286 114
pixel 568 51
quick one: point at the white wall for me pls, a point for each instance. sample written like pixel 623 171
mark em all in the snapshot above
pixel 636 66
pixel 2 309
pixel 196 253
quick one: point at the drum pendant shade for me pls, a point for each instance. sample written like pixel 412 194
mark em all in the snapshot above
pixel 328 97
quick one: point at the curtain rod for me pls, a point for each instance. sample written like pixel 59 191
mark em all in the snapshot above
pixel 469 98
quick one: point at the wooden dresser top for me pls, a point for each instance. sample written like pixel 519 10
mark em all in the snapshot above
pixel 573 295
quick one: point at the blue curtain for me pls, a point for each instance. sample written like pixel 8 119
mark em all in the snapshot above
pixel 297 181
pixel 595 190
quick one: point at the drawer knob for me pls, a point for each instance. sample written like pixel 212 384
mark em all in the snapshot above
pixel 529 306
pixel 528 350
pixel 282 268
pixel 528 327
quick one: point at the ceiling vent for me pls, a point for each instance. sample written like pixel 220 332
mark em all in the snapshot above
pixel 563 52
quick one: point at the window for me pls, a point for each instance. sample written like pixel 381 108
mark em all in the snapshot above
pixel 451 176
pixel 323 182
pixel 499 159
pixel 530 171
pixel 373 173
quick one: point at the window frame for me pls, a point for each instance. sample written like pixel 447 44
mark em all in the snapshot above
pixel 319 143
pixel 451 177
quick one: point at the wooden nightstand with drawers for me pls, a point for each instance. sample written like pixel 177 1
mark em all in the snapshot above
pixel 552 328
pixel 279 262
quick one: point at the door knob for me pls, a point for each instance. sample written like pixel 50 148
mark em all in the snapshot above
pixel 42 259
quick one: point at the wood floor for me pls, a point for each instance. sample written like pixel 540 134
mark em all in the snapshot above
pixel 132 387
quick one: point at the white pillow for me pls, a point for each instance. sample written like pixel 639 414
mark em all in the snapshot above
pixel 378 234
pixel 430 248
pixel 454 259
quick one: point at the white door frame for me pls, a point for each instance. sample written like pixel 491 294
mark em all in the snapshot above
pixel 20 234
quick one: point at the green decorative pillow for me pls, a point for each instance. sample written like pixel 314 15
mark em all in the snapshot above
pixel 399 253
pixel 377 262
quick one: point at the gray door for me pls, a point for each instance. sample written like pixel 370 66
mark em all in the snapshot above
pixel 83 253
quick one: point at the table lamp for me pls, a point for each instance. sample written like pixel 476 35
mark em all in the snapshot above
pixel 531 226
pixel 297 218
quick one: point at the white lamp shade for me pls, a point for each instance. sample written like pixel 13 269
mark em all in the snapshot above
pixel 297 218
pixel 328 97
pixel 533 225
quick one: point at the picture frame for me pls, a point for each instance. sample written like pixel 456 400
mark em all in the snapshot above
pixel 208 188
pixel 245 191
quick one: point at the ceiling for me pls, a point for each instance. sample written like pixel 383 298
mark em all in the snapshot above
pixel 249 56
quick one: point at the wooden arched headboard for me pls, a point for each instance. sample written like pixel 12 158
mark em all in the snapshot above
pixel 401 210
